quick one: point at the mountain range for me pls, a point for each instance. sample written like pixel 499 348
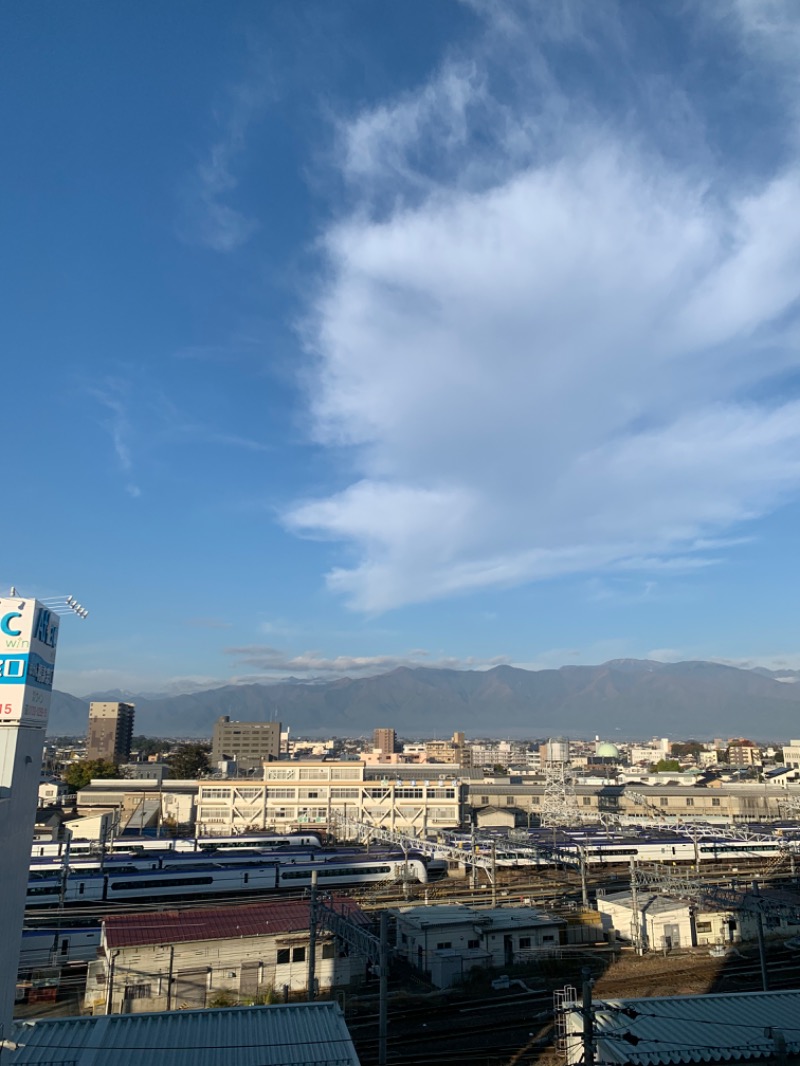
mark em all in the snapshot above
pixel 624 698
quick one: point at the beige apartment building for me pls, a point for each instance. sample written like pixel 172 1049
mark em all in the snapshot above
pixel 454 751
pixel 302 795
pixel 384 740
pixel 110 731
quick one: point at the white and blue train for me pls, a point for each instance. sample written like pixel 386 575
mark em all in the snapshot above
pixel 58 947
pixel 273 841
pixel 611 849
pixel 208 879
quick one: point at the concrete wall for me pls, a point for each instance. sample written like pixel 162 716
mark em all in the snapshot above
pixel 245 967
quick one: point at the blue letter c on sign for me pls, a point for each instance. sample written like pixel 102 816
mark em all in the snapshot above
pixel 5 624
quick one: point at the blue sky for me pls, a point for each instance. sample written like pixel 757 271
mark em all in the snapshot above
pixel 340 336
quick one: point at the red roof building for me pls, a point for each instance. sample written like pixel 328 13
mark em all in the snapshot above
pixel 214 956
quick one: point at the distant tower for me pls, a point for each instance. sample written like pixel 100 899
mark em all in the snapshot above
pixel 559 802
pixel 110 731
pixel 385 740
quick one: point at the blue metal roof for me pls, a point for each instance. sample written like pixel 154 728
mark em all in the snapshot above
pixel 686 1029
pixel 298 1034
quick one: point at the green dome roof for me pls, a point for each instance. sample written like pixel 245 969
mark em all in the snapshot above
pixel 607 750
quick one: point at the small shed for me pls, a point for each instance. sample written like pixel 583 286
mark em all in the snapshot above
pixel 668 923
pixel 492 817
pixel 448 940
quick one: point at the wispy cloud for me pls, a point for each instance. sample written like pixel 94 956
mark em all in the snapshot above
pixel 551 316
pixel 267 661
pixel 113 397
pixel 207 215
pixel 208 623
pixel 177 424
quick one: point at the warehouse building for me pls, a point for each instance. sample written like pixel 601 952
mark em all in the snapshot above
pixel 178 960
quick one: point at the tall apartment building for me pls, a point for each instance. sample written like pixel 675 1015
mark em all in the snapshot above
pixel 110 731
pixel 385 741
pixel 249 743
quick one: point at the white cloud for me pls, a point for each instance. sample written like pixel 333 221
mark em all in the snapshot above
pixel 545 344
pixel 208 219
pixel 271 662
pixel 113 397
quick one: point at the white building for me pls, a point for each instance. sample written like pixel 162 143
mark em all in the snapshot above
pixel 52 791
pixel 670 923
pixel 791 754
pixel 314 794
pixel 449 940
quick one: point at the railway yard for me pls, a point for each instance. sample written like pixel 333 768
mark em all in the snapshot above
pixel 476 1022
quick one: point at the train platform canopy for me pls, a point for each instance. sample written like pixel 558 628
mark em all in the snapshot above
pixel 314 1034
pixel 216 923
pixel 685 1029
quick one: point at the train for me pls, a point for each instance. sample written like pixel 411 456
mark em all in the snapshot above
pixel 273 841
pixel 42 948
pixel 610 850
pixel 209 879
pixel 167 860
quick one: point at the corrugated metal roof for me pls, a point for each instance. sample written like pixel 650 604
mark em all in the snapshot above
pixel 300 1034
pixel 459 913
pixel 683 1029
pixel 215 923
pixel 649 903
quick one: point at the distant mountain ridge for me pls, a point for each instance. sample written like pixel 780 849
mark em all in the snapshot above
pixel 621 698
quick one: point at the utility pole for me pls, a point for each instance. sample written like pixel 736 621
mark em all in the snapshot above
pixel 588 1018
pixel 474 867
pixel 762 946
pixel 65 869
pixel 636 919
pixel 494 873
pixel 383 991
pixel 584 886
pixel 312 939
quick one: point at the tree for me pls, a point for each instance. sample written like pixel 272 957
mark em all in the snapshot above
pixel 666 766
pixel 149 745
pixel 189 760
pixel 687 747
pixel 78 774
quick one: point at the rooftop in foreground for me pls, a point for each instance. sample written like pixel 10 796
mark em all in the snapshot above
pixel 313 1034
pixel 688 1029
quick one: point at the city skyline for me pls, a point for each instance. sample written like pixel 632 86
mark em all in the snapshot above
pixel 344 337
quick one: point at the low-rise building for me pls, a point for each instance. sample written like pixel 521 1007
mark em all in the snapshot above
pixel 173 960
pixel 174 800
pixel 447 941
pixel 666 923
pixel 52 792
pixel 317 794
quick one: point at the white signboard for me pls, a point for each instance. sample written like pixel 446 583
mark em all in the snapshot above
pixel 28 638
